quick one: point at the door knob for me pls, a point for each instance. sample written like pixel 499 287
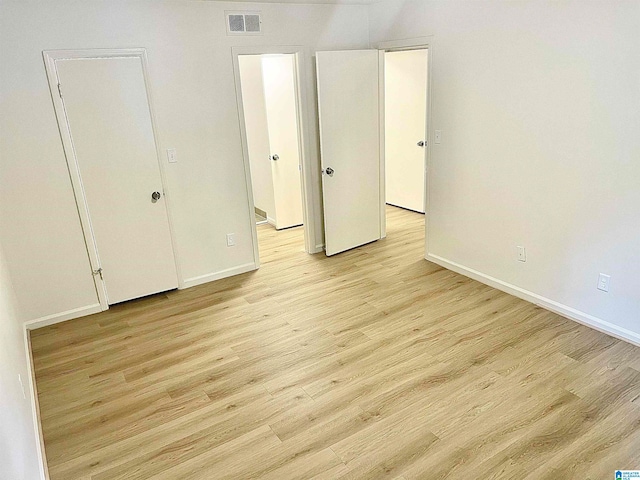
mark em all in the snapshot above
pixel 275 157
pixel 155 196
pixel 421 143
pixel 329 171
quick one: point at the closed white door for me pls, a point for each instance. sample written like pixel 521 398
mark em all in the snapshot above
pixel 282 120
pixel 348 104
pixel 107 110
pixel 405 125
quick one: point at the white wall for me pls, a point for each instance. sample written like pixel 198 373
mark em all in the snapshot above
pixel 18 455
pixel 255 117
pixel 538 106
pixel 192 82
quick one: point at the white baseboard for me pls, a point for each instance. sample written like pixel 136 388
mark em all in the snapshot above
pixel 35 409
pixel 544 302
pixel 319 248
pixel 271 222
pixel 62 316
pixel 210 277
pixel 96 308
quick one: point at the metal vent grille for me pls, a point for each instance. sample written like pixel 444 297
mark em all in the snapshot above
pixel 243 23
pixel 252 23
pixel 236 23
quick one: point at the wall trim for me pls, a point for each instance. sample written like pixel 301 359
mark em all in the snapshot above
pixel 544 302
pixel 35 407
pixel 319 248
pixel 62 316
pixel 96 307
pixel 210 277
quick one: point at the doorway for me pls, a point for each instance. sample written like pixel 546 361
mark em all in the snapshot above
pixel 269 102
pixel 405 74
pixel 373 141
pixel 405 130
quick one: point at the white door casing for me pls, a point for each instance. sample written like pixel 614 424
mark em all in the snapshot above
pixel 280 102
pixel 108 116
pixel 405 126
pixel 349 117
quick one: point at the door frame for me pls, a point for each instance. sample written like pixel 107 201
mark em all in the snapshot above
pixel 308 214
pixel 417 43
pixel 50 57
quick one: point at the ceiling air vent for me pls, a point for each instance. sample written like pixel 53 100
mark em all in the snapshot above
pixel 243 23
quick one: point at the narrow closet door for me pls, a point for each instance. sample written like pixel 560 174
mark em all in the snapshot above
pixel 107 109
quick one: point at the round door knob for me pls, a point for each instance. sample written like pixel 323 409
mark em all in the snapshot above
pixel 275 157
pixel 421 143
pixel 329 171
pixel 155 196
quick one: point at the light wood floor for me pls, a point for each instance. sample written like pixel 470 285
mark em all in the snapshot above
pixel 371 364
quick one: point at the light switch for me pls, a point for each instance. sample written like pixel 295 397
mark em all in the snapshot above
pixel 522 254
pixel 438 138
pixel 172 156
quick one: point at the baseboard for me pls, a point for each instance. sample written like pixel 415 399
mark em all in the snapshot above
pixel 319 248
pixel 62 316
pixel 96 308
pixel 210 277
pixel 35 408
pixel 271 222
pixel 544 302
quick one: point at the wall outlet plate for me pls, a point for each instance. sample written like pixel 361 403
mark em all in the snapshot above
pixel 603 282
pixel 231 239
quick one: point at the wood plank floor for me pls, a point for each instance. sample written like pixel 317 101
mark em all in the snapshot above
pixel 371 364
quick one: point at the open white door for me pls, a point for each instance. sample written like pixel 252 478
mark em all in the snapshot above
pixel 405 116
pixel 348 107
pixel 282 120
pixel 107 111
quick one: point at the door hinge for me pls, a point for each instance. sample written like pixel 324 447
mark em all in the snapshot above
pixel 98 272
pixel 60 90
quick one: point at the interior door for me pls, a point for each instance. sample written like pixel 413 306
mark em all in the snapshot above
pixel 405 96
pixel 348 107
pixel 107 109
pixel 282 120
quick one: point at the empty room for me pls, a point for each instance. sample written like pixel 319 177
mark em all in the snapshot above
pixel 319 239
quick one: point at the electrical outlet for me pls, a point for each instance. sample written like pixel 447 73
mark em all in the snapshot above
pixel 24 395
pixel 172 156
pixel 603 282
pixel 522 254
pixel 438 138
pixel 231 239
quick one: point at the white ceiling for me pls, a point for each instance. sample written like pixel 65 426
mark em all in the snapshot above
pixel 333 2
